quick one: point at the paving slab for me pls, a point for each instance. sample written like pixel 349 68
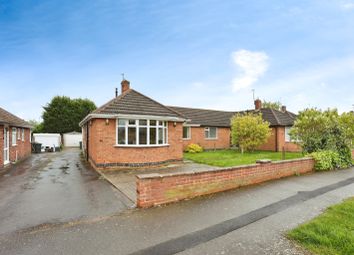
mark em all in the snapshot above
pixel 125 179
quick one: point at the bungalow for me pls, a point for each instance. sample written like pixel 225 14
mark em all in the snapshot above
pixel 15 134
pixel 133 130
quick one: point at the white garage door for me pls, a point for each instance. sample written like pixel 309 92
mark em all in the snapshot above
pixel 72 139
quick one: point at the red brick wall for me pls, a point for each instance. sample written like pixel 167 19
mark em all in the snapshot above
pixel 352 154
pixel 1 146
pixel 270 145
pixel 288 146
pixel 156 189
pixel 21 150
pixel 197 136
pixel 102 150
pixel 276 142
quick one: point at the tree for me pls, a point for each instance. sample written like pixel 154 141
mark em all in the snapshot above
pixel 249 131
pixel 317 130
pixel 37 126
pixel 347 122
pixel 273 105
pixel 64 114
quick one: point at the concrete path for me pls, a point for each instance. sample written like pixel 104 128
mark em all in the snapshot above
pixel 54 188
pixel 250 220
pixel 125 180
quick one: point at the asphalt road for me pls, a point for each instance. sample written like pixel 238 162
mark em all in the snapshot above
pixel 249 220
pixel 53 188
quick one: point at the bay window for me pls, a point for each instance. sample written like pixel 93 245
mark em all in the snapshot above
pixel 141 132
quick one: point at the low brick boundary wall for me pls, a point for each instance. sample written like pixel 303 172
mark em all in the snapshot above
pixel 156 189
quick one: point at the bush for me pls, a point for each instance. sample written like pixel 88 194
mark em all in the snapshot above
pixel 194 148
pixel 326 160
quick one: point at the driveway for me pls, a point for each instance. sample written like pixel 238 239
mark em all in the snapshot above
pixel 55 188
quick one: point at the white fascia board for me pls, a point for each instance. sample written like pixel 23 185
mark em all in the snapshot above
pixel 129 116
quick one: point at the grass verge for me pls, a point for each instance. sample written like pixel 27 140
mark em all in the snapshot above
pixel 331 233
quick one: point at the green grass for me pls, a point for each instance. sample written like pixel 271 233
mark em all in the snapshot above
pixel 226 158
pixel 331 233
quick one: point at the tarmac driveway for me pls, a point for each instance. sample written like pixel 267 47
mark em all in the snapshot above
pixel 55 188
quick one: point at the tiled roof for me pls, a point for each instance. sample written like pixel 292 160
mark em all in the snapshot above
pixel 135 103
pixel 10 119
pixel 205 117
pixel 215 118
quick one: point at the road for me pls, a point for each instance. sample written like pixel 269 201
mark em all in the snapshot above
pixel 249 220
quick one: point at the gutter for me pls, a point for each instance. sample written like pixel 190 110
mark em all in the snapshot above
pixel 128 116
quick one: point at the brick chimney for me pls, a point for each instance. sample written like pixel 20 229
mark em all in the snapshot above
pixel 125 85
pixel 283 108
pixel 257 104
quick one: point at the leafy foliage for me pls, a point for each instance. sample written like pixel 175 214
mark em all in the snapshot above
pixel 37 126
pixel 347 122
pixel 194 148
pixel 325 160
pixel 317 131
pixel 273 105
pixel 64 114
pixel 248 131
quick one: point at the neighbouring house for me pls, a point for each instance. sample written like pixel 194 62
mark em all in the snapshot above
pixel 133 130
pixel 211 129
pixel 15 138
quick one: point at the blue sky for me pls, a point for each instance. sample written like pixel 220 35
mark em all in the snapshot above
pixel 205 53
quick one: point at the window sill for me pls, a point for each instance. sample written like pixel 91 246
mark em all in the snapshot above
pixel 185 139
pixel 211 138
pixel 141 146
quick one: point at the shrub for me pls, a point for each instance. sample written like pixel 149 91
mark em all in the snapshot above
pixel 194 148
pixel 326 160
pixel 248 131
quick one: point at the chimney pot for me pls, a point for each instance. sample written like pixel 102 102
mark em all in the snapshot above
pixel 116 92
pixel 125 85
pixel 283 108
pixel 257 104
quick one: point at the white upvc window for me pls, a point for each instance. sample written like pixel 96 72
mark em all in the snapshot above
pixel 186 133
pixel 14 136
pixel 287 134
pixel 18 134
pixel 141 132
pixel 23 134
pixel 211 133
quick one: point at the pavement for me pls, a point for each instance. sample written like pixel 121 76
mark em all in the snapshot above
pixel 53 188
pixel 249 220
pixel 125 180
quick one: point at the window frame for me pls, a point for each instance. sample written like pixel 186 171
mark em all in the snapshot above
pixel 287 137
pixel 23 134
pixel 13 136
pixel 207 129
pixel 189 133
pixel 160 124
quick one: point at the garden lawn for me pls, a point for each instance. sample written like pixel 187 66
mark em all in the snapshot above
pixel 226 158
pixel 330 233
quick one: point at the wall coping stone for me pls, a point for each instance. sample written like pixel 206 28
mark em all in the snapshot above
pixel 240 167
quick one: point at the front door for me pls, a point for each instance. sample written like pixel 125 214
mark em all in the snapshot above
pixel 6 146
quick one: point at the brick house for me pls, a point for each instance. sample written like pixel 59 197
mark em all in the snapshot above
pixel 133 130
pixel 211 129
pixel 15 138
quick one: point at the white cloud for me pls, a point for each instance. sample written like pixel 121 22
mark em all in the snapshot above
pixel 251 64
pixel 348 5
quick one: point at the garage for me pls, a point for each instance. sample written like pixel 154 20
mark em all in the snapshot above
pixel 72 139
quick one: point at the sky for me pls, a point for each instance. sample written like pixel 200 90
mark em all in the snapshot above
pixel 201 53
